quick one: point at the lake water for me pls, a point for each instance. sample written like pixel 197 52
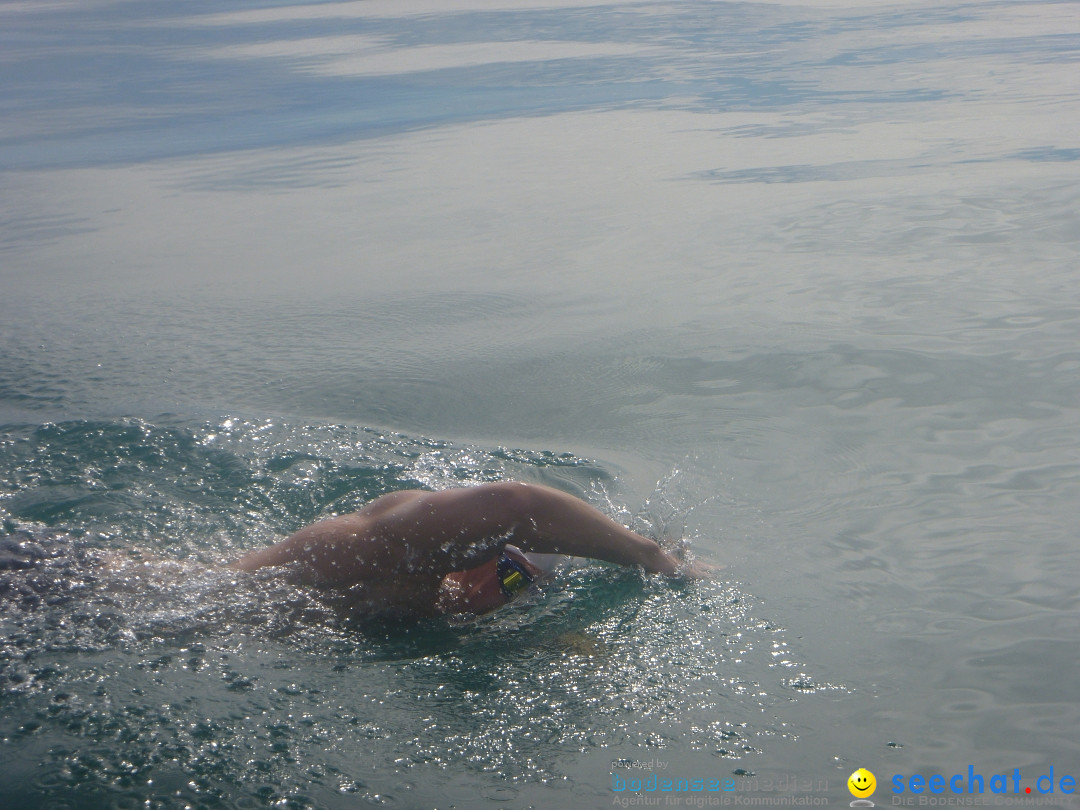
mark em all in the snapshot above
pixel 795 283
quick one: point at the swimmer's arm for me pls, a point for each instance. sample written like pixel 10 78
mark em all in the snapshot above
pixel 431 534
pixel 462 528
pixel 457 529
pixel 559 523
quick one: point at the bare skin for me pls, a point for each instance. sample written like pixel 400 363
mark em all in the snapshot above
pixel 430 553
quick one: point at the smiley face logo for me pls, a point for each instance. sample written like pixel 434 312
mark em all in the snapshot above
pixel 862 783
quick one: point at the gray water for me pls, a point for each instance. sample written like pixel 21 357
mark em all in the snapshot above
pixel 794 284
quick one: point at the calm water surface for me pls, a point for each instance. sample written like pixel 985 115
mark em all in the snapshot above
pixel 794 283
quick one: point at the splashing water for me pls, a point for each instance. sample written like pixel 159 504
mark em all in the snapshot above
pixel 124 677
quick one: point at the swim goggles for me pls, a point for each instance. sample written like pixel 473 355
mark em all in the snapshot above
pixel 513 576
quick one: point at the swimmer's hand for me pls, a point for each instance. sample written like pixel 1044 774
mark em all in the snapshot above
pixel 698 569
pixel 690 569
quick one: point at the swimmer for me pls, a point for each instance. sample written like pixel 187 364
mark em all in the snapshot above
pixel 457 551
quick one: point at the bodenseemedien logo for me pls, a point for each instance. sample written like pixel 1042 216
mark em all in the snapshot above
pixel 862 785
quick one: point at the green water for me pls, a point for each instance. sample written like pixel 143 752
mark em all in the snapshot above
pixel 197 686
